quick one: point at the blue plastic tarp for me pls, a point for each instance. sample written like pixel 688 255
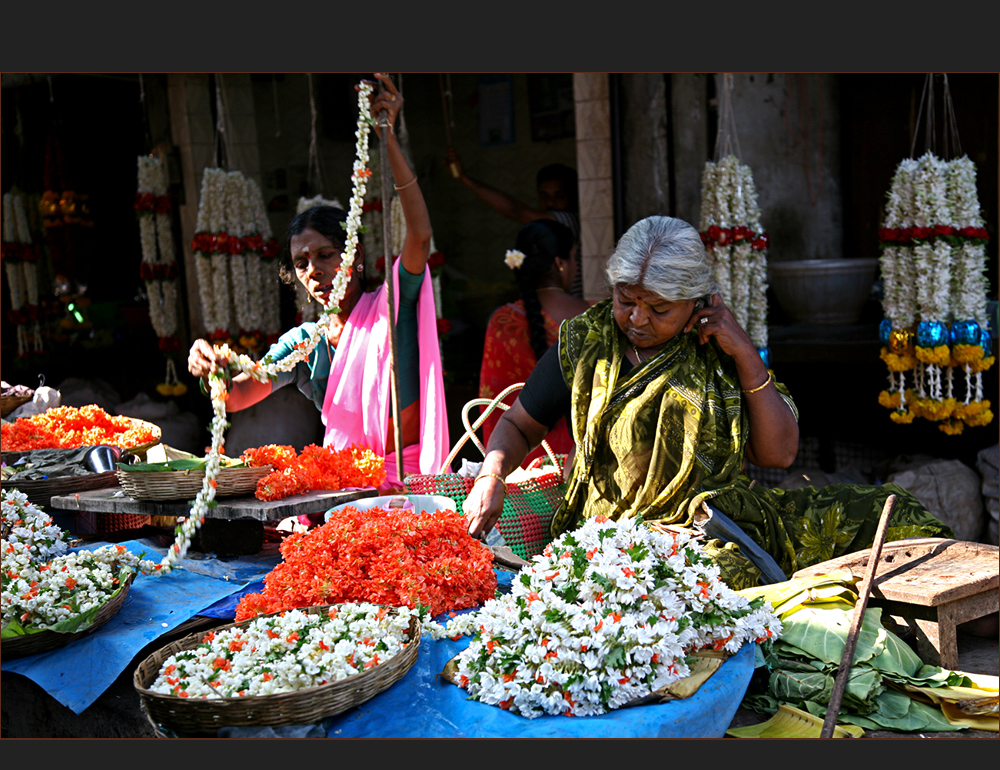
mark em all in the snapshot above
pixel 422 705
pixel 77 674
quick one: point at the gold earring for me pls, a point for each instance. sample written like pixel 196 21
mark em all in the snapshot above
pixel 309 299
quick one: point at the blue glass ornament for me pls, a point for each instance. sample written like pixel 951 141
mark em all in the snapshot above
pixel 985 341
pixel 930 334
pixel 965 333
pixel 884 330
pixel 765 356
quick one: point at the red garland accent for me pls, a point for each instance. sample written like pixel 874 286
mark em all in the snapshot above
pixel 271 249
pixel 375 205
pixel 726 235
pixel 169 344
pixel 906 236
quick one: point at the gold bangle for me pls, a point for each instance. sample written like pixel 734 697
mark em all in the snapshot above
pixel 403 187
pixel 495 476
pixel 759 387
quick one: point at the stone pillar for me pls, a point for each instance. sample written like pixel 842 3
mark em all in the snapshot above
pixel 593 153
pixel 644 147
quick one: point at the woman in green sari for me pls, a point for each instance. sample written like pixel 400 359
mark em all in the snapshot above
pixel 667 398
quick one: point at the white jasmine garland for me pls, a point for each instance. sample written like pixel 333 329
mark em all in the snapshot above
pixel 607 614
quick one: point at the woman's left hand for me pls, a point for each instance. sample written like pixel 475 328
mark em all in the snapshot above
pixel 717 320
pixel 389 100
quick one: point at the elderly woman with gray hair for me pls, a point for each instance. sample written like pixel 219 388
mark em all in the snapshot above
pixel 667 396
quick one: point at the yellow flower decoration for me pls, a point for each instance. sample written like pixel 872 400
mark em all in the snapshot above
pixel 897 362
pixel 930 409
pixel 903 418
pixel 967 354
pixel 952 427
pixel 939 355
pixel 982 364
pixel 889 400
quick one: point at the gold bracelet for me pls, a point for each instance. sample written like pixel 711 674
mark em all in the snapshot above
pixel 759 387
pixel 495 476
pixel 403 187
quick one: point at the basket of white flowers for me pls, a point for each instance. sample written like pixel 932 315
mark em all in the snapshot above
pixel 288 668
pixel 52 596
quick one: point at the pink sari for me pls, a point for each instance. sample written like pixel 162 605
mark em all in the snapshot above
pixel 358 398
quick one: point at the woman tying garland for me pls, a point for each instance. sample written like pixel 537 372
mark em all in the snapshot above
pixel 544 261
pixel 347 375
pixel 667 397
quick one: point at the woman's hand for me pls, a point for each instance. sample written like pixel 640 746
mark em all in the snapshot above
pixel 203 359
pixel 483 505
pixel 717 320
pixel 389 100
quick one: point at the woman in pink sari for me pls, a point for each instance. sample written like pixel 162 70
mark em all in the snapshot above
pixel 347 375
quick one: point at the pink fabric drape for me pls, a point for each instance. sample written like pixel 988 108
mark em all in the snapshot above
pixel 357 404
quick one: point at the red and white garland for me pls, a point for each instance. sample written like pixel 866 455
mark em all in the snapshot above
pixel 20 259
pixel 736 244
pixel 159 264
pixel 935 292
pixel 234 254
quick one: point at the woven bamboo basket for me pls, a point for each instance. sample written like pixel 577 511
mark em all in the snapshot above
pixel 43 641
pixel 140 450
pixel 203 717
pixel 9 403
pixel 41 491
pixel 185 485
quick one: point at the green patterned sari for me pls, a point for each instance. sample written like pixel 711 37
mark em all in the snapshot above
pixel 671 434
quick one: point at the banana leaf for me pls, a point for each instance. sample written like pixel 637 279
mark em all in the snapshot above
pixel 822 634
pixel 790 722
pixel 899 712
pixel 183 464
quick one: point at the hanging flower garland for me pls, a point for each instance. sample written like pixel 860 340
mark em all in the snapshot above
pixel 736 245
pixel 234 254
pixel 20 258
pixel 933 270
pixel 159 264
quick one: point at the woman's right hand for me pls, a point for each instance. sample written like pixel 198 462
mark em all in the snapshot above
pixel 203 359
pixel 483 505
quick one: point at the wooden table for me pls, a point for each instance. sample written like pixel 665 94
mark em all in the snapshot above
pixel 933 584
pixel 235 525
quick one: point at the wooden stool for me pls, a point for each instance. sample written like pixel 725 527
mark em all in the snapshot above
pixel 932 583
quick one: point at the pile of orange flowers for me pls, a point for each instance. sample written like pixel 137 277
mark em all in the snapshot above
pixel 394 557
pixel 315 468
pixel 67 427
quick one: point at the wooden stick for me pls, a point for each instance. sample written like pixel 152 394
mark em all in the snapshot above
pixel 383 122
pixel 447 125
pixel 840 684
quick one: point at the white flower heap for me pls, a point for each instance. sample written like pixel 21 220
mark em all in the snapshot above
pixel 159 265
pixel 608 614
pixel 20 258
pixel 935 292
pixel 43 585
pixel 287 652
pixel 736 244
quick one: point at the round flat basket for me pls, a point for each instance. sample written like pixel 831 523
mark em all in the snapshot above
pixel 140 449
pixel 9 403
pixel 41 491
pixel 185 485
pixel 203 717
pixel 43 641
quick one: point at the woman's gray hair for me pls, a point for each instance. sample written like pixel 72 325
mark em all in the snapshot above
pixel 663 255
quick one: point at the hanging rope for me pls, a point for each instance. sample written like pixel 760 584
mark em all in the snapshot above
pixel 277 116
pixel 145 115
pixel 950 146
pixel 726 140
pixel 223 143
pixel 314 174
